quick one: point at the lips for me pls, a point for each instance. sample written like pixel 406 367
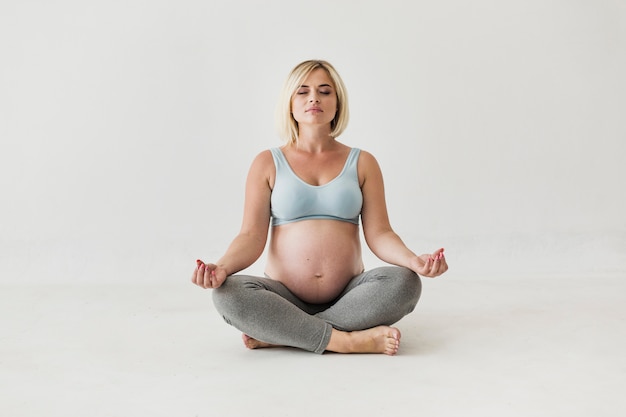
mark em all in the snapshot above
pixel 314 110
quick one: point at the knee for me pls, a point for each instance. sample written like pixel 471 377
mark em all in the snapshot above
pixel 230 298
pixel 412 284
pixel 406 284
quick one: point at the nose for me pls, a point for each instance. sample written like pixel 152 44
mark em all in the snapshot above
pixel 314 98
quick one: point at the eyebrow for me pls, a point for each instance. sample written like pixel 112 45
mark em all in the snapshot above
pixel 321 85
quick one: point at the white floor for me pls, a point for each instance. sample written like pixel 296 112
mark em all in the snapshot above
pixel 544 346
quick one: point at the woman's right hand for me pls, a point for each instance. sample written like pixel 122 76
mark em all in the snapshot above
pixel 208 275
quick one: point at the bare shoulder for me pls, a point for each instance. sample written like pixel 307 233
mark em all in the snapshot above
pixel 367 166
pixel 367 157
pixel 263 158
pixel 262 167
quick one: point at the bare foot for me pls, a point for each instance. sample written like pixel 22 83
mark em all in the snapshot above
pixel 252 343
pixel 381 339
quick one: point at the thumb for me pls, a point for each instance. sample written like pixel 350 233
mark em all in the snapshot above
pixel 438 252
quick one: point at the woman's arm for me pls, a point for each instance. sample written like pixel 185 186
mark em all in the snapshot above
pixel 379 235
pixel 249 244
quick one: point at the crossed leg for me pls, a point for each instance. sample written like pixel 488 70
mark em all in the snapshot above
pixel 359 321
pixel 380 339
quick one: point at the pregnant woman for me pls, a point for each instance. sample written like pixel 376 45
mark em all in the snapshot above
pixel 314 193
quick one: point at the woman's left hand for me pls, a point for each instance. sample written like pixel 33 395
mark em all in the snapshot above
pixel 430 265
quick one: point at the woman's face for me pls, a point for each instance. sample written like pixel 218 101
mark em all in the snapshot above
pixel 315 101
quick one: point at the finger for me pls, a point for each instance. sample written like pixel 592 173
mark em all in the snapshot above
pixel 208 276
pixel 199 277
pixel 436 254
pixel 196 277
pixel 428 266
pixel 439 264
pixel 204 276
pixel 442 259
pixel 212 275
pixel 442 264
pixel 435 266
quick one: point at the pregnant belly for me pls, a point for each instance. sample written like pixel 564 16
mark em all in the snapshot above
pixel 315 259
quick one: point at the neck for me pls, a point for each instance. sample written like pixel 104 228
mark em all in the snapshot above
pixel 315 138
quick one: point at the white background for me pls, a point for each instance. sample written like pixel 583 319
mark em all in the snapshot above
pixel 127 128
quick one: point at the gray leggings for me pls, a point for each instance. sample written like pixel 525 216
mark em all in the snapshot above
pixel 266 310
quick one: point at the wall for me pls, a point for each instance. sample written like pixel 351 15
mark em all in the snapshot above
pixel 127 128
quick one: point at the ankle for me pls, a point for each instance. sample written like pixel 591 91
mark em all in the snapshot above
pixel 340 342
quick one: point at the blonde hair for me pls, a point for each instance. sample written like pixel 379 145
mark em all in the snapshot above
pixel 288 126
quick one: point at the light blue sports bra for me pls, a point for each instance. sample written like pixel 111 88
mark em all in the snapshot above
pixel 293 199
